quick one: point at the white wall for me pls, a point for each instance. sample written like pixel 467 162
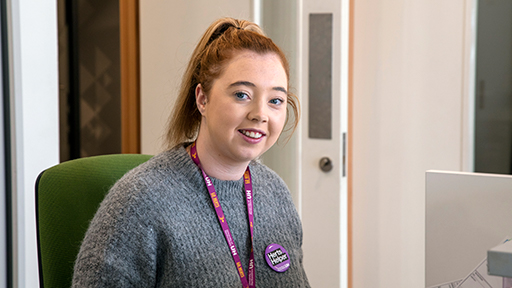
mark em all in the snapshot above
pixel 3 190
pixel 34 102
pixel 409 109
pixel 169 31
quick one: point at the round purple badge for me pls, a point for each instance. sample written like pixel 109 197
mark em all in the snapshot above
pixel 277 258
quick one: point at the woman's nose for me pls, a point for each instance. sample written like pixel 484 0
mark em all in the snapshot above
pixel 258 112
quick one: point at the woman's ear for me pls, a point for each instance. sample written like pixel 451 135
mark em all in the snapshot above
pixel 200 99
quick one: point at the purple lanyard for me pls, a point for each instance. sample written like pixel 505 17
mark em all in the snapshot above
pixel 223 221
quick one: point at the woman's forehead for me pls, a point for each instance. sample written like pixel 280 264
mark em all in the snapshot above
pixel 247 65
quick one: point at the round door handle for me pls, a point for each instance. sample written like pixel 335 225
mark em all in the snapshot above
pixel 325 164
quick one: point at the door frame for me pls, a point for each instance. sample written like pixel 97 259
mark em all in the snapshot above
pixel 130 76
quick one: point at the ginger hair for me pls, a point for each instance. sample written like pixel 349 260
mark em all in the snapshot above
pixel 217 47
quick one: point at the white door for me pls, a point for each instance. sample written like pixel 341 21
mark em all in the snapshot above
pixel 323 66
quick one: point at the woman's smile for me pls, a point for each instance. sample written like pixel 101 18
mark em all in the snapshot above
pixel 252 136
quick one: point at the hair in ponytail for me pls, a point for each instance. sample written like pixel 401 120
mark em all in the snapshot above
pixel 217 47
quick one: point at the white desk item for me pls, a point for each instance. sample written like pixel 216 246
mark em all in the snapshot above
pixel 499 260
pixel 466 215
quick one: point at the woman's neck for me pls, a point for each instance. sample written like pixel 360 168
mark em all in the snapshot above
pixel 214 165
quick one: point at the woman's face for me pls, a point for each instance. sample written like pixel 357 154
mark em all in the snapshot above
pixel 244 112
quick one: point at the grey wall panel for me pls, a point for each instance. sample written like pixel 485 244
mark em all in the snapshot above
pixel 320 76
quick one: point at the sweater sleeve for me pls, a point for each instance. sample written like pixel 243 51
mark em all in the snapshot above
pixel 119 249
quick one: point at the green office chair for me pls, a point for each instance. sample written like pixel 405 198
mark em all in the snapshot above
pixel 67 197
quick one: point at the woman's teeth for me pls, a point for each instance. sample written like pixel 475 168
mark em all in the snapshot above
pixel 251 134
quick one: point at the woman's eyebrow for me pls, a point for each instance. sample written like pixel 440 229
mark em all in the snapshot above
pixel 279 88
pixel 242 83
pixel 250 84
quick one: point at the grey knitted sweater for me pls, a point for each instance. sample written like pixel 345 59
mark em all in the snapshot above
pixel 157 228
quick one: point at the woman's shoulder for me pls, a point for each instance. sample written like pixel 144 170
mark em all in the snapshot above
pixel 264 176
pixel 260 169
pixel 271 192
pixel 166 166
pixel 162 173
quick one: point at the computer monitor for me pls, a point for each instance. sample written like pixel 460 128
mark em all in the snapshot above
pixel 466 215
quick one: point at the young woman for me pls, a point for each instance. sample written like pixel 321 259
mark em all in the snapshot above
pixel 204 213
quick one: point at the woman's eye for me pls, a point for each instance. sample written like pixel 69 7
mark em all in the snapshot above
pixel 241 95
pixel 276 101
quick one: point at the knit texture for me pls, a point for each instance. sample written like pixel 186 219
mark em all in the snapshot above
pixel 157 228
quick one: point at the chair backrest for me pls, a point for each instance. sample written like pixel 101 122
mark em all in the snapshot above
pixel 67 197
